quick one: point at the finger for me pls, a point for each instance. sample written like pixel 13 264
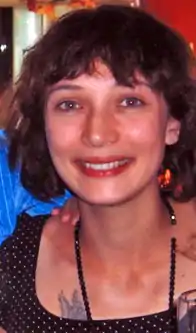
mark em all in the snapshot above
pixel 55 211
pixel 69 217
pixel 74 220
pixel 66 217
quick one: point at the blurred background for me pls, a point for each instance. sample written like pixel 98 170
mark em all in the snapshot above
pixel 23 21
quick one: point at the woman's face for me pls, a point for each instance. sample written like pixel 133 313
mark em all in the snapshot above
pixel 107 141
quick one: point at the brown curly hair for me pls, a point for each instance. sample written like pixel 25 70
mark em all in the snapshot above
pixel 126 39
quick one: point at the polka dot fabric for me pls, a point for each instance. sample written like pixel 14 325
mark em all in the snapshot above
pixel 20 310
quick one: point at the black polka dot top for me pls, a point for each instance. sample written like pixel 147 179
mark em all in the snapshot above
pixel 20 310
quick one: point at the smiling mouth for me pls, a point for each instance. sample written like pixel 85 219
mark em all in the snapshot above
pixel 105 166
pixel 104 169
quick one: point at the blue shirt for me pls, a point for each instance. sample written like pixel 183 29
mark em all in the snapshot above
pixel 14 199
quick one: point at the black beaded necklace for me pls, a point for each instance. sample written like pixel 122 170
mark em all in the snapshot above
pixel 80 272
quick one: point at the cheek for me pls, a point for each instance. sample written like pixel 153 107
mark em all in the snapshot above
pixel 147 133
pixel 147 142
pixel 60 134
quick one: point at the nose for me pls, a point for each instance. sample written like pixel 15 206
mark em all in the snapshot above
pixel 100 130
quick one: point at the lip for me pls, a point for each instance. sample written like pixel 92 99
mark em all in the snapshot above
pixel 90 172
pixel 100 159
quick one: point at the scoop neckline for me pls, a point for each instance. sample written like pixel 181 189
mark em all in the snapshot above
pixel 55 317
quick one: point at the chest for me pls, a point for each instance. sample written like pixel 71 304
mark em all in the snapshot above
pixel 59 288
pixel 29 313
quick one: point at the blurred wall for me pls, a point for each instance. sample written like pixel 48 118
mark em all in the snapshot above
pixel 6 28
pixel 180 14
pixel 28 27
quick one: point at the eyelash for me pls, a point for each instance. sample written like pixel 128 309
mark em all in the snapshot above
pixel 73 105
pixel 135 102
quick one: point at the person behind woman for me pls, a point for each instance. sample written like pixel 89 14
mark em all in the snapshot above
pixel 14 199
pixel 107 102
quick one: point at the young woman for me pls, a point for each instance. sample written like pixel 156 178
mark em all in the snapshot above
pixel 106 102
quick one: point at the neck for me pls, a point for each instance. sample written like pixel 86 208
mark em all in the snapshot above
pixel 118 233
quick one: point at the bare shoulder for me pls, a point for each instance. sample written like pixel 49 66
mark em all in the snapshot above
pixel 60 296
pixel 185 233
pixel 189 248
pixel 57 234
pixel 55 226
pixel 186 228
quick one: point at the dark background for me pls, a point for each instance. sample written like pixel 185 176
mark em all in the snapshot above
pixel 6 36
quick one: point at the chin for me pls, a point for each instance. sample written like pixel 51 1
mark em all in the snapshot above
pixel 103 201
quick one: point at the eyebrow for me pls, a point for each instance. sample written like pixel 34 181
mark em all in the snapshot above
pixel 64 87
pixel 77 87
pixel 140 83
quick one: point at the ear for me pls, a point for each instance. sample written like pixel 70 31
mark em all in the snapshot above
pixel 172 131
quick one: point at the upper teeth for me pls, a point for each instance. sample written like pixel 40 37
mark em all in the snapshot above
pixel 105 166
